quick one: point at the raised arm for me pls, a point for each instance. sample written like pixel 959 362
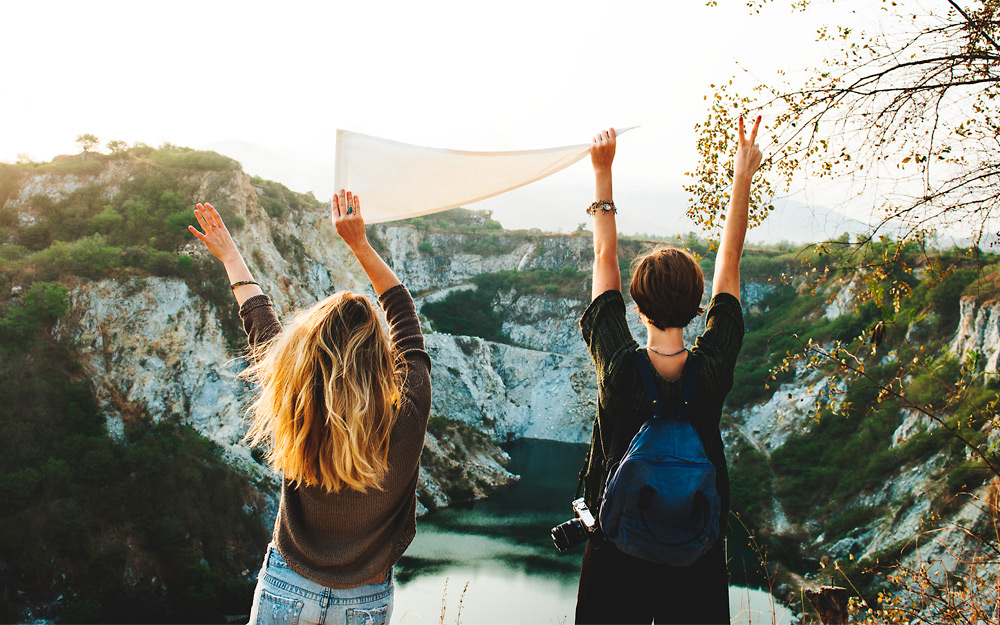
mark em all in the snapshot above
pixel 607 275
pixel 351 227
pixel 220 243
pixel 727 263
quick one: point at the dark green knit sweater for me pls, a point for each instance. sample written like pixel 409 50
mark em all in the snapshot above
pixel 623 406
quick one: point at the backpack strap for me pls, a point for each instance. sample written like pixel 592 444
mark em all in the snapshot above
pixel 690 381
pixel 647 380
pixel 687 394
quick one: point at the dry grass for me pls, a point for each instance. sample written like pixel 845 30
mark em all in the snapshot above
pixel 949 580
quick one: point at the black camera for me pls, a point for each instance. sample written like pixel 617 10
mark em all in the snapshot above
pixel 567 535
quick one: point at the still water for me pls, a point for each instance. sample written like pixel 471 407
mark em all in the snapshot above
pixel 500 553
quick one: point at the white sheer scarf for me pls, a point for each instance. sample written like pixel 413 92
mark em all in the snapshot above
pixel 398 180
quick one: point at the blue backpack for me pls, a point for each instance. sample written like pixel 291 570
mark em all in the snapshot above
pixel 660 503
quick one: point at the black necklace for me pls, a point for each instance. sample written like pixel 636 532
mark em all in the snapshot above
pixel 651 348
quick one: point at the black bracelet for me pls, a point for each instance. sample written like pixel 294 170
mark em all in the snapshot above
pixel 603 205
pixel 241 283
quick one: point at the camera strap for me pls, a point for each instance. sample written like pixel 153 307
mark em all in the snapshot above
pixel 582 474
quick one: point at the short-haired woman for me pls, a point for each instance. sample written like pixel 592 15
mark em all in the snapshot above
pixel 667 288
pixel 342 409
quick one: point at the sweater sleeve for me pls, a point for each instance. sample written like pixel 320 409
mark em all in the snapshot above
pixel 408 340
pixel 607 335
pixel 721 341
pixel 259 320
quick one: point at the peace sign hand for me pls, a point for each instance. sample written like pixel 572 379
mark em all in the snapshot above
pixel 748 154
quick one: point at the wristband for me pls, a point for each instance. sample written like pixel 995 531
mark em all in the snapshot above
pixel 603 205
pixel 241 283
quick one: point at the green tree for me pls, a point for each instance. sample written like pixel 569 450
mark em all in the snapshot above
pixel 911 109
pixel 117 147
pixel 87 141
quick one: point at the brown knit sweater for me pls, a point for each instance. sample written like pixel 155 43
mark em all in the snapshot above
pixel 346 539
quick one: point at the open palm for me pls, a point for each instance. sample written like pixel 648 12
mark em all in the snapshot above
pixel 216 236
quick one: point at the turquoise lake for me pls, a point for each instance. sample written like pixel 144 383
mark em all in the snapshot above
pixel 500 549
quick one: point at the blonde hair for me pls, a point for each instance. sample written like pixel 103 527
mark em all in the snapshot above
pixel 329 396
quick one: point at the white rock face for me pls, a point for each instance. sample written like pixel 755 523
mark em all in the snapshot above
pixel 150 342
pixel 845 292
pixel 979 330
pixel 482 470
pixel 511 392
pixel 457 257
pixel 913 423
pixel 152 346
pixel 789 410
pixel 544 323
pixel 60 186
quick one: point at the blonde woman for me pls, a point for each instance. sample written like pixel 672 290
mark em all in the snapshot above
pixel 342 410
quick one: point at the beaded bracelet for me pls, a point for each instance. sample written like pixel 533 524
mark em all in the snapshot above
pixel 241 283
pixel 603 205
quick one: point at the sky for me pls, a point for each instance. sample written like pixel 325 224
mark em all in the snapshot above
pixel 269 85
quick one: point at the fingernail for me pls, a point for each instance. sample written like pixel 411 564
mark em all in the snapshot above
pixel 758 118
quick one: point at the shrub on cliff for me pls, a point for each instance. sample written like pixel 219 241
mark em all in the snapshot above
pixel 187 158
pixel 77 498
pixel 41 306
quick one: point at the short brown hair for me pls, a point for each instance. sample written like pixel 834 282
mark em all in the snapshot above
pixel 667 286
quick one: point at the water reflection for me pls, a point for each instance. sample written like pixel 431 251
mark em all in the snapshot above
pixel 501 548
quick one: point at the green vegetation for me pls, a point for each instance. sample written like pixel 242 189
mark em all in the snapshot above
pixel 40 307
pixel 455 220
pixel 277 200
pixel 568 281
pixel 750 481
pixel 90 235
pixel 468 313
pixel 187 158
pixel 137 231
pixel 837 457
pixel 852 520
pixel 149 528
pixel 843 454
pixel 471 312
pixel 986 285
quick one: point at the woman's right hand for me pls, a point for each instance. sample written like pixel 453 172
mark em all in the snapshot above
pixel 216 237
pixel 602 150
pixel 347 219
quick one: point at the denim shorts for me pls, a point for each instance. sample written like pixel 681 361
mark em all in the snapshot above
pixel 283 597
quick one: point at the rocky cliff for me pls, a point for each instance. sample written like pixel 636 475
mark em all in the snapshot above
pixel 979 332
pixel 167 346
pixel 152 345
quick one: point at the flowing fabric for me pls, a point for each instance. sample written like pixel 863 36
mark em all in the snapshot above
pixel 399 180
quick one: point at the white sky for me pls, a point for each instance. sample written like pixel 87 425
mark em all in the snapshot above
pixel 270 84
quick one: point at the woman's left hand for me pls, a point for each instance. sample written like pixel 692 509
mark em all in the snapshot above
pixel 216 237
pixel 347 219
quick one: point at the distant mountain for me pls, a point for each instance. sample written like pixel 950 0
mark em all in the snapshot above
pixel 796 222
pixel 298 169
